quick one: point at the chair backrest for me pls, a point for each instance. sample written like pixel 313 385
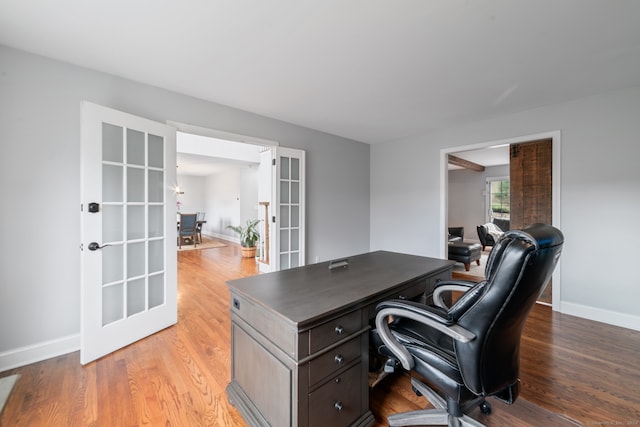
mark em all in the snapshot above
pixel 495 310
pixel 187 223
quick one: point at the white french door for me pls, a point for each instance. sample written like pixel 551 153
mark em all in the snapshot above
pixel 128 230
pixel 282 211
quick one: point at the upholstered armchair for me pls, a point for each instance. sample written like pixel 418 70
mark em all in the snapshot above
pixel 490 233
pixel 470 350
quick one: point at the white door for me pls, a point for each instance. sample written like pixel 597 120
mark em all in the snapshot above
pixel 281 195
pixel 289 208
pixel 128 230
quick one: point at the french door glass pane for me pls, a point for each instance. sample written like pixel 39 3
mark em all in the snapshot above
pixel 135 185
pixel 284 240
pixel 135 147
pixel 284 216
pixel 135 259
pixel 156 151
pixel 156 186
pixel 284 192
pixel 112 303
pixel 156 255
pixel 112 183
pixel 112 143
pixel 112 225
pixel 156 221
pixel 284 168
pixel 284 261
pixel 295 216
pixel 156 290
pixel 295 192
pixel 135 296
pixel 112 263
pixel 295 169
pixel 135 222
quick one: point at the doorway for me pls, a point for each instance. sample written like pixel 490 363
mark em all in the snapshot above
pixel 555 137
pixel 272 192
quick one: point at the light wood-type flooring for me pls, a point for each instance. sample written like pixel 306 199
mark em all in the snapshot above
pixel 574 371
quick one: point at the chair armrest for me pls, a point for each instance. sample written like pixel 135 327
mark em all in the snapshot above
pixel 433 317
pixel 447 286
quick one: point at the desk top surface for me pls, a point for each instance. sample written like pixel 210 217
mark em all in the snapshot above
pixel 303 294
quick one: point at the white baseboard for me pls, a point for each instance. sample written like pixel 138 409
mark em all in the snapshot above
pixel 223 237
pixel 599 315
pixel 38 352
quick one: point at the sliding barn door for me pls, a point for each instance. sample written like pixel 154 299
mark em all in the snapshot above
pixel 531 178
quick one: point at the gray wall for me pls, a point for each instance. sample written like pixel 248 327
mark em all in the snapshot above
pixel 40 174
pixel 600 196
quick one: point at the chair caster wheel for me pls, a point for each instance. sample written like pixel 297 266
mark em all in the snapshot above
pixel 416 391
pixel 485 407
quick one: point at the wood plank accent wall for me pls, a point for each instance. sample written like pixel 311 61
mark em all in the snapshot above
pixel 530 176
pixel 531 190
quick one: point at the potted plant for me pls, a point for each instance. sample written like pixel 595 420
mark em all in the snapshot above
pixel 248 237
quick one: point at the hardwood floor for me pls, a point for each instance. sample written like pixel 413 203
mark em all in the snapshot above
pixel 574 371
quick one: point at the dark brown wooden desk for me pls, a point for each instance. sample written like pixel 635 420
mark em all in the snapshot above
pixel 300 342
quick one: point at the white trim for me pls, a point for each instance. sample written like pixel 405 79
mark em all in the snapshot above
pixel 600 315
pixel 219 134
pixel 38 352
pixel 556 138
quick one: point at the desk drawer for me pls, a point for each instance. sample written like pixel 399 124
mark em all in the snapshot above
pixel 333 331
pixel 333 360
pixel 338 402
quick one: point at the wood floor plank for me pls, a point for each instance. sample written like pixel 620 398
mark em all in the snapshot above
pixel 573 371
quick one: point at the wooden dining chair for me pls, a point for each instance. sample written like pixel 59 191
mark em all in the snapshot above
pixel 199 222
pixel 187 229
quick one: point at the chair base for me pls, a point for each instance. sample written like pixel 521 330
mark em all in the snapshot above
pixel 437 416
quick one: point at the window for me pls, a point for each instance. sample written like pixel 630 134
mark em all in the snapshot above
pixel 498 198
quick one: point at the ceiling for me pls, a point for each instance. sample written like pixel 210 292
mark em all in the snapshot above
pixel 198 165
pixel 370 70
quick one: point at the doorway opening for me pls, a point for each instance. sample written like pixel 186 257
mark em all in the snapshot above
pixel 268 185
pixel 451 205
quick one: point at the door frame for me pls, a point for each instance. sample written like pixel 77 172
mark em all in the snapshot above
pixel 556 138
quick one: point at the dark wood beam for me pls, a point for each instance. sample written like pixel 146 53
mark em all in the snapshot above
pixel 457 161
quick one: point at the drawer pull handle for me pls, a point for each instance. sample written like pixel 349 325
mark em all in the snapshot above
pixel 339 406
pixel 338 380
pixel 339 330
pixel 338 359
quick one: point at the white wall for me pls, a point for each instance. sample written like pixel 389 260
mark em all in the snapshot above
pixel 231 199
pixel 193 199
pixel 467 202
pixel 40 173
pixel 600 196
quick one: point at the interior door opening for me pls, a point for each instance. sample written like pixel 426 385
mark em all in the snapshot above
pixel 235 179
pixel 449 199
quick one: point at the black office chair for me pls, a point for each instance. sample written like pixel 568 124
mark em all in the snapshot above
pixel 471 350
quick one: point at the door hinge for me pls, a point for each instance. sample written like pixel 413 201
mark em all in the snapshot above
pixel 273 219
pixel 81 246
pixel 273 162
pixel 81 207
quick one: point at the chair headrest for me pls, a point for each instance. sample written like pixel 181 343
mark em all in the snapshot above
pixel 539 236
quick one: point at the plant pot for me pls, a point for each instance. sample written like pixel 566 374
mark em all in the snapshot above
pixel 248 252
